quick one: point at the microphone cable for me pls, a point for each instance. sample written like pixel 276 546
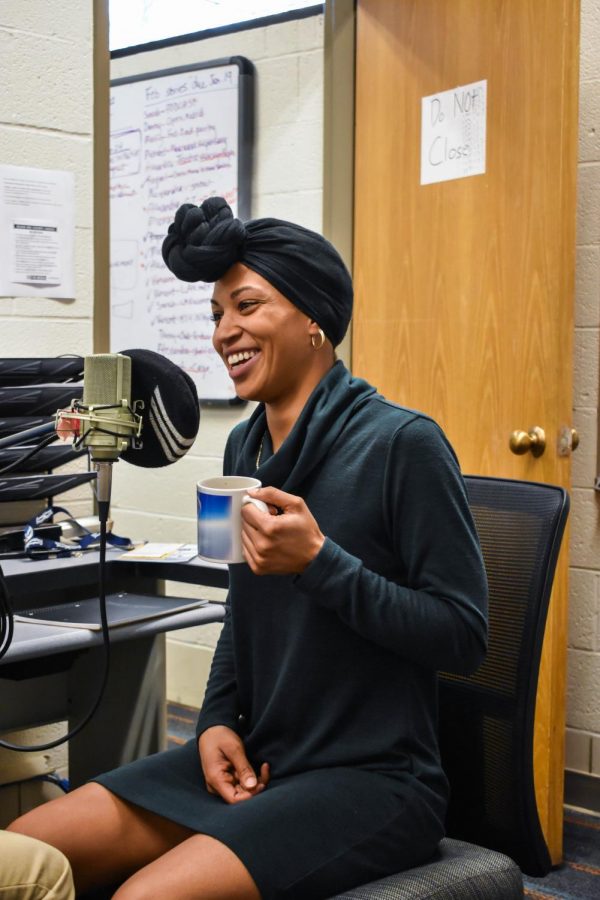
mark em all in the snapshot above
pixel 29 454
pixel 6 632
pixel 7 625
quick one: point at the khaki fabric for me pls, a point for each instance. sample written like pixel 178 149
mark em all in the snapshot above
pixel 32 870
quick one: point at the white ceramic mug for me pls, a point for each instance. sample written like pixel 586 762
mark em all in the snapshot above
pixel 219 505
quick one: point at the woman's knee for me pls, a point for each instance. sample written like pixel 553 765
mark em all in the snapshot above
pixel 51 817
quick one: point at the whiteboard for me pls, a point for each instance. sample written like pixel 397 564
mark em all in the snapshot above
pixel 177 136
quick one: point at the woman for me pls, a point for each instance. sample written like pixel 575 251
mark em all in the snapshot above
pixel 316 765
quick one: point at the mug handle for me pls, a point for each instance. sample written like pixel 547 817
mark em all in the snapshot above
pixel 255 502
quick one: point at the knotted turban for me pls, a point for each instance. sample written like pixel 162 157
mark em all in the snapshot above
pixel 205 241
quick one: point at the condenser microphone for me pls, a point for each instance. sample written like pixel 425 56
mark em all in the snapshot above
pixel 137 405
pixel 108 422
pixel 105 421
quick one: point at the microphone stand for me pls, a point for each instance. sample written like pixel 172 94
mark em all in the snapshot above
pixel 103 487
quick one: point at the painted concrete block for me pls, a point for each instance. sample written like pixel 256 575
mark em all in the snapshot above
pixel 311 88
pixel 278 88
pixel 583 609
pixel 595 767
pixel 200 635
pixel 585 528
pixel 585 367
pixel 588 204
pixel 589 121
pixel 584 461
pixel 587 287
pixel 303 207
pixel 45 337
pixel 187 673
pixel 578 750
pixel 49 20
pixel 590 41
pixel 583 696
pixel 144 526
pixel 170 490
pixel 47 83
pixel 289 156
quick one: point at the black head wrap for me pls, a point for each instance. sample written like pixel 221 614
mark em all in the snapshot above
pixel 205 241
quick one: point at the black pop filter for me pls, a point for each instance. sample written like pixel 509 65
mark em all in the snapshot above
pixel 171 413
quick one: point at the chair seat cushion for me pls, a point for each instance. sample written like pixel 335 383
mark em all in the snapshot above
pixel 458 871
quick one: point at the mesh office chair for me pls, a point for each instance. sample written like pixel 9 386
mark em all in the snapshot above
pixel 486 719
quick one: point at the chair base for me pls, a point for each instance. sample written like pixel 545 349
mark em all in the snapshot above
pixel 458 871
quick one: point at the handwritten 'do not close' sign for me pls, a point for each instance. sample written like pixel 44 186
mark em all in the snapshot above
pixel 453 133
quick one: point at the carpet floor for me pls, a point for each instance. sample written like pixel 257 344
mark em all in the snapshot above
pixel 578 878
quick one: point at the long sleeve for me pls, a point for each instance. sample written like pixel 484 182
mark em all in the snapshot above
pixel 221 703
pixel 436 616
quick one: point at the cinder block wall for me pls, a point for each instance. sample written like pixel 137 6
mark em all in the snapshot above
pixel 287 183
pixel 583 708
pixel 46 122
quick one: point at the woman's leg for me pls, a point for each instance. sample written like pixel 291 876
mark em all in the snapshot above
pixel 198 867
pixel 104 838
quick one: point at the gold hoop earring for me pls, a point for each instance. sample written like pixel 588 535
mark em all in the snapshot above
pixel 321 342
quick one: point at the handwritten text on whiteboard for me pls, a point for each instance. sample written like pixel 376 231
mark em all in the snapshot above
pixel 174 140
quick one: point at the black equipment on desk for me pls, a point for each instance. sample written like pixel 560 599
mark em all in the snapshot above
pixel 40 487
pixel 45 458
pixel 31 391
pixel 14 426
pixel 155 428
pixel 37 399
pixel 38 370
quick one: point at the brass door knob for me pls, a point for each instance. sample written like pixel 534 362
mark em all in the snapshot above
pixel 533 441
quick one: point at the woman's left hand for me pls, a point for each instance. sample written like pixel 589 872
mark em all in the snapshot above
pixel 280 544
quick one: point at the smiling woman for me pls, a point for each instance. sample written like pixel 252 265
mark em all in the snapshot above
pixel 315 767
pixel 259 335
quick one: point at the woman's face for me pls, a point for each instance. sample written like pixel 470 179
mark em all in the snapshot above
pixel 263 339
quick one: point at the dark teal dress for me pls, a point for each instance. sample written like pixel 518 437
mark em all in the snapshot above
pixel 330 675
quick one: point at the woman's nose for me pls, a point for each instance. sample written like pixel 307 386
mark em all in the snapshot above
pixel 229 325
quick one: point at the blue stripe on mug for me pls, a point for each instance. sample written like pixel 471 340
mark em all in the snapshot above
pixel 214 526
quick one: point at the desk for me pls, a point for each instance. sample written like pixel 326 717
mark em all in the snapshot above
pixel 51 673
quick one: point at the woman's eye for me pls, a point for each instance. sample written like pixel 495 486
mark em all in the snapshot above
pixel 246 304
pixel 216 317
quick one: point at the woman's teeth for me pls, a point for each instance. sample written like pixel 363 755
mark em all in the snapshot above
pixel 237 358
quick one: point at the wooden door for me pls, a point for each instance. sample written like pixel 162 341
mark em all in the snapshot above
pixel 464 289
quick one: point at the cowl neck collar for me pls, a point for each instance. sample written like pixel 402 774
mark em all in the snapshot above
pixel 323 418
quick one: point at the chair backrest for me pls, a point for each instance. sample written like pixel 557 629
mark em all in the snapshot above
pixel 486 719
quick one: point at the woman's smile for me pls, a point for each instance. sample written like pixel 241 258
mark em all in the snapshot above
pixel 241 363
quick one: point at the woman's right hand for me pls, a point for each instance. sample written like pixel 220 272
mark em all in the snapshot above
pixel 225 765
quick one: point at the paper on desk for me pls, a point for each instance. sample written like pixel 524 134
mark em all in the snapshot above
pixel 162 552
